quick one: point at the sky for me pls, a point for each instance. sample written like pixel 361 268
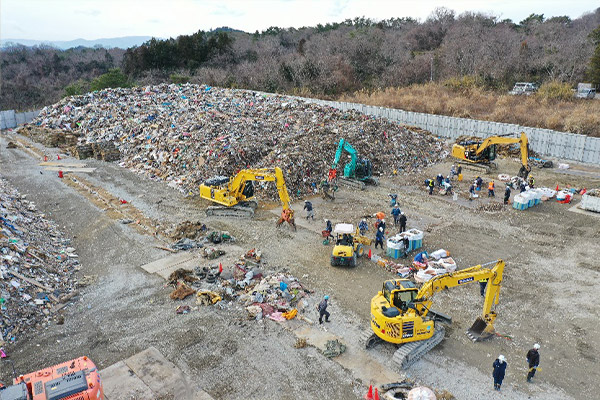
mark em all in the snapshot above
pixel 94 19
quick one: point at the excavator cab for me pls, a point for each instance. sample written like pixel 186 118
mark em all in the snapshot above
pixel 400 295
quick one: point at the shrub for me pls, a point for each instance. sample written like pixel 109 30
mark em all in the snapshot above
pixel 555 90
pixel 112 79
pixel 76 88
pixel 177 78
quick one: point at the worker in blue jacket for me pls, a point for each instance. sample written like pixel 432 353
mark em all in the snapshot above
pixel 421 257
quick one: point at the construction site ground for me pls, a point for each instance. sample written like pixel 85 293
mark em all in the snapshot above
pixel 548 295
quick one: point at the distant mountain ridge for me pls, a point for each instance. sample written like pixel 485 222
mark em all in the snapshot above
pixel 124 42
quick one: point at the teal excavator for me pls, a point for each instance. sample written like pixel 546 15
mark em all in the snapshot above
pixel 357 173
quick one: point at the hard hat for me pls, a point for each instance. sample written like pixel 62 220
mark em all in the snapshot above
pixel 326 297
pixel 502 358
pixel 402 212
pixel 325 219
pixel 306 201
pixel 381 229
pixel 364 220
pixel 383 220
pixel 536 346
pixel 396 206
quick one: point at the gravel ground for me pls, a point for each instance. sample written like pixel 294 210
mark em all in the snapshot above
pixel 547 295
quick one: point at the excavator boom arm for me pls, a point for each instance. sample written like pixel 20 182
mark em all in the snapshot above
pixel 462 277
pixel 524 144
pixel 343 145
pixel 261 174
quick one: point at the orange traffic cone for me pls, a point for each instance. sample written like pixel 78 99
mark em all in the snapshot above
pixel 369 254
pixel 557 189
pixel 58 156
pixel 369 395
pixel 376 396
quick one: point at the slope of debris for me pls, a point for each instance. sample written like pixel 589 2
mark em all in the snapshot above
pixel 36 266
pixel 185 134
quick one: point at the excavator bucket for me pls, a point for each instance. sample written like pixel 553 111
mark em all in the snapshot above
pixel 480 330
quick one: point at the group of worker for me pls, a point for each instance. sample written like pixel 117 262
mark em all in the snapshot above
pixel 441 183
pixel 500 364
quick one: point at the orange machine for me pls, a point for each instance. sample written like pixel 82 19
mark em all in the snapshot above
pixel 76 379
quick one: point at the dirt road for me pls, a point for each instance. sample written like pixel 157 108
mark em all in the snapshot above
pixel 547 297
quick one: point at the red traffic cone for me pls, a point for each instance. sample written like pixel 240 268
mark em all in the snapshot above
pixel 369 395
pixel 45 158
pixel 369 254
pixel 58 156
pixel 557 189
pixel 376 396
pixel 220 267
pixel 60 174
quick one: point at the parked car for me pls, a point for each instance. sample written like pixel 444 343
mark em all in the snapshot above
pixel 525 88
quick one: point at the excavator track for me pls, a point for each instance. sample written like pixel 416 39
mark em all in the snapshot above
pixel 408 353
pixel 235 211
pixel 352 183
pixel 369 339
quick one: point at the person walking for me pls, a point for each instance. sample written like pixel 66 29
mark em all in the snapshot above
pixel 402 222
pixel 396 214
pixel 479 182
pixel 531 182
pixel 482 286
pixel 322 308
pixel 499 371
pixel 363 227
pixel 382 225
pixel 393 199
pixel 472 191
pixel 309 210
pixel 452 171
pixel 328 229
pixel 491 188
pixel 533 359
pixel 507 193
pixel 431 184
pixel 379 238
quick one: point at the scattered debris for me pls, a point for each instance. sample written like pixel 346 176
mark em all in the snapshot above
pixel 186 244
pixel 182 292
pixel 184 309
pixel 182 274
pixel 491 207
pixel 37 266
pixel 334 348
pixel 300 343
pixel 187 230
pixel 207 298
pixel 11 145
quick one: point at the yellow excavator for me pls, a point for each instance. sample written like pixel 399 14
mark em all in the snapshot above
pixel 236 194
pixel 482 153
pixel 401 313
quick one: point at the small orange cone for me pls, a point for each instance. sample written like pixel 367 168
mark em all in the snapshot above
pixel 369 395
pixel 369 254
pixel 58 156
pixel 557 189
pixel 376 396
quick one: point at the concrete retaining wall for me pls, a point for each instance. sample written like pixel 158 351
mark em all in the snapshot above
pixel 10 119
pixel 549 143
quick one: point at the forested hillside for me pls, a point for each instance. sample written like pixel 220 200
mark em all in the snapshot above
pixel 343 57
pixel 328 61
pixel 35 76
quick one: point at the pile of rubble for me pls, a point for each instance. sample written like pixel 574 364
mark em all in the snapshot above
pixel 277 296
pixel 185 134
pixel 37 266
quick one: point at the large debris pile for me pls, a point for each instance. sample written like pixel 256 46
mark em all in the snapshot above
pixel 36 266
pixel 185 134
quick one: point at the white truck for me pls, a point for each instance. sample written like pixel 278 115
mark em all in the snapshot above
pixel 585 91
pixel 524 88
